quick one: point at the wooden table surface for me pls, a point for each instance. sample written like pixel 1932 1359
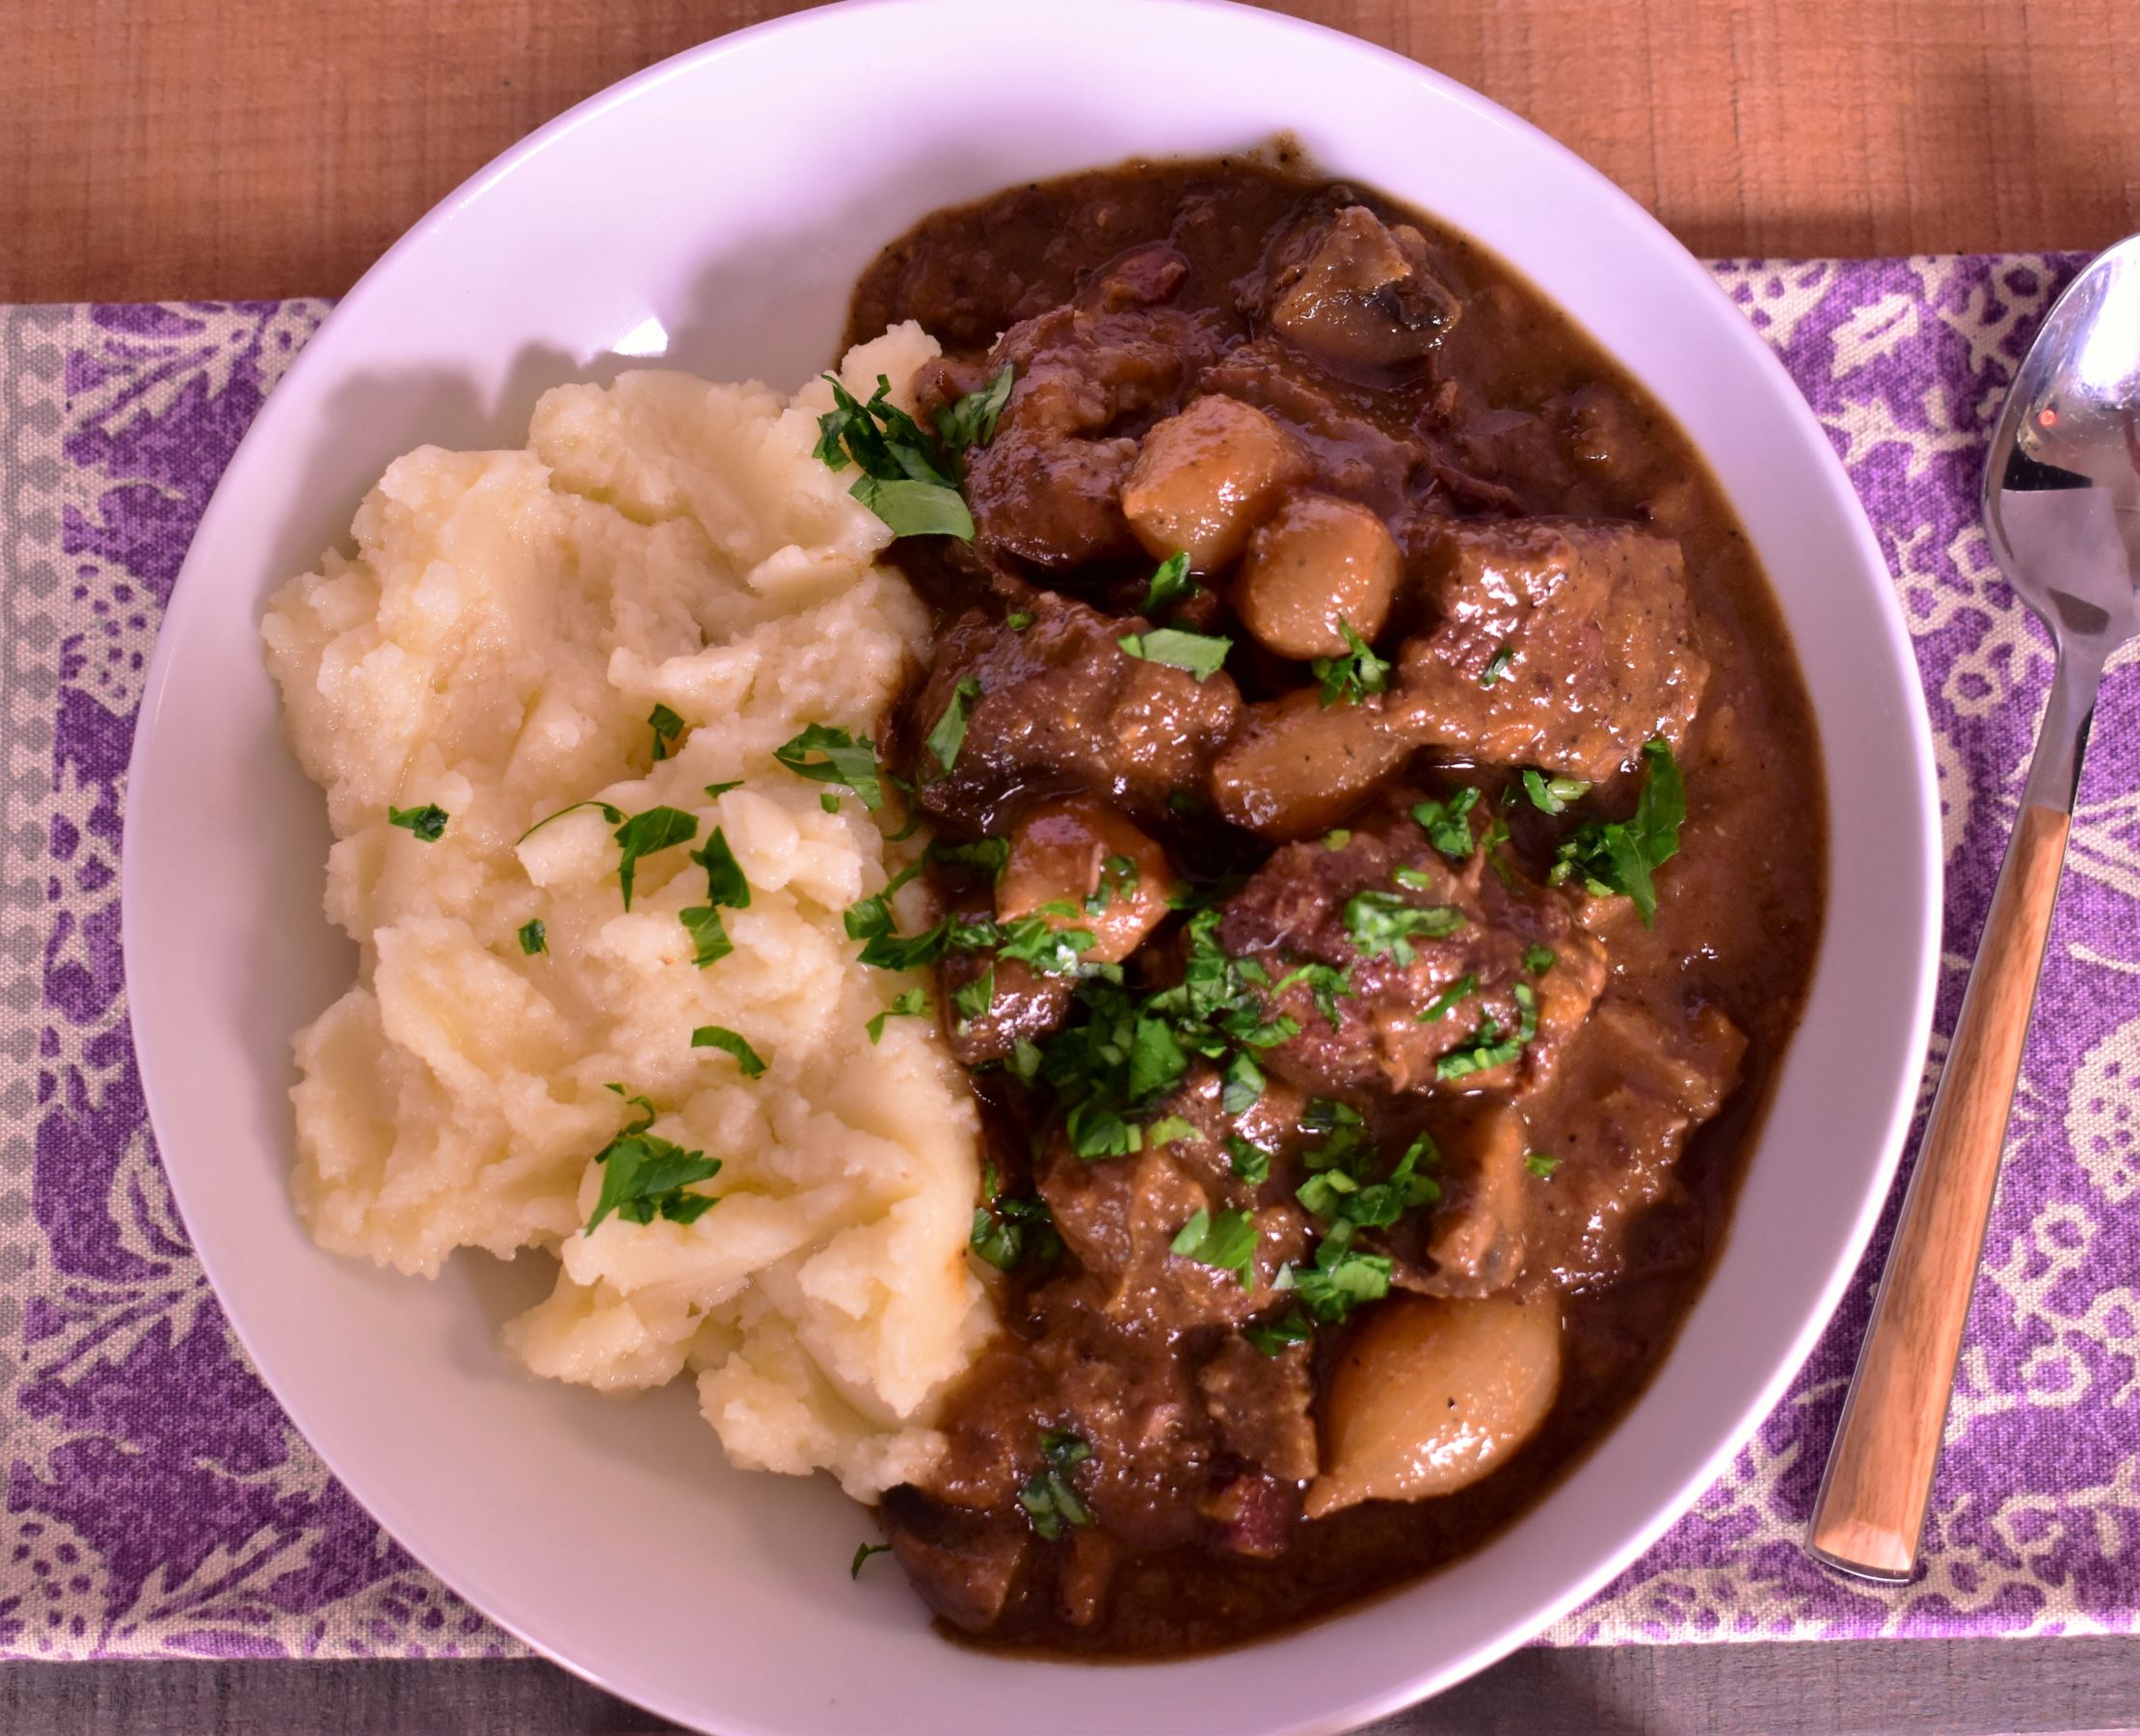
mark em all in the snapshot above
pixel 270 147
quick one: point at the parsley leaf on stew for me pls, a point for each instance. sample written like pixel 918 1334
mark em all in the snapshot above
pixel 911 1005
pixel 907 479
pixel 1351 679
pixel 1552 795
pixel 715 792
pixel 1009 1229
pixel 1251 1162
pixel 1538 958
pixel 1273 1337
pixel 1049 1499
pixel 1489 1047
pixel 1540 1165
pixel 971 421
pixel 729 1042
pixel 1170 583
pixel 1017 620
pixel 1499 666
pixel 1116 874
pixel 1242 1086
pixel 646 834
pixel 1227 1242
pixel 1621 856
pixel 1340 1280
pixel 1447 824
pixel 949 734
pixel 1449 996
pixel 1202 654
pixel 534 937
pixel 842 759
pixel 1163 1132
pixel 990 855
pixel 862 1553
pixel 643 1174
pixel 1380 922
pixel 1324 984
pixel 975 997
pixel 428 822
pixel 668 728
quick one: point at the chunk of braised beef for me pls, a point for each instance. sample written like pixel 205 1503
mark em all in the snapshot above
pixel 1092 375
pixel 1264 1406
pixel 1364 941
pixel 1635 1093
pixel 1062 706
pixel 1560 643
pixel 964 1563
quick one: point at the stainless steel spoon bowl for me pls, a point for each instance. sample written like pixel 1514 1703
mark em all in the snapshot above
pixel 2062 506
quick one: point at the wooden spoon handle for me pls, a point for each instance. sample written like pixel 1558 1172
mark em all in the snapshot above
pixel 1871 1507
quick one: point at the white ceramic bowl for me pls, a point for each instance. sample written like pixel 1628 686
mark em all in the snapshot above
pixel 712 212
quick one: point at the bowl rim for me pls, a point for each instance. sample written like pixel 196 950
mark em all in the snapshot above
pixel 1841 499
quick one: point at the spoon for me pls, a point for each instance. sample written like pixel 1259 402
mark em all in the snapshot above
pixel 2062 507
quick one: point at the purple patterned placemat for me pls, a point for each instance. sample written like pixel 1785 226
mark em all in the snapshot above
pixel 158 1504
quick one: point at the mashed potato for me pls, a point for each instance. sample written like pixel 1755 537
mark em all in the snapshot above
pixel 495 648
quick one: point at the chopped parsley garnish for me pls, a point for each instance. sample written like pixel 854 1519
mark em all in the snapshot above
pixel 893 952
pixel 724 878
pixel 1251 1162
pixel 971 421
pixel 1540 1165
pixel 725 886
pixel 714 792
pixel 1340 1280
pixel 1049 1499
pixel 1011 1229
pixel 1538 958
pixel 668 729
pixel 647 834
pixel 1498 666
pixel 910 1005
pixel 729 1042
pixel 1202 654
pixel 974 999
pixel 1034 939
pixel 840 759
pixel 1025 1059
pixel 1351 679
pixel 710 941
pixel 428 822
pixel 1226 1242
pixel 1117 873
pixel 1167 1129
pixel 1242 1086
pixel 1441 1003
pixel 1621 856
pixel 643 1174
pixel 1155 1058
pixel 1017 620
pixel 991 855
pixel 829 802
pixel 1552 795
pixel 907 479
pixel 1336 839
pixel 1448 824
pixel 1489 1047
pixel 862 1553
pixel 1170 583
pixel 949 734
pixel 1324 983
pixel 534 937
pixel 1380 922
pixel 1274 1337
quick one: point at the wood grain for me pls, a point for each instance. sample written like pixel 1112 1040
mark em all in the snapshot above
pixel 272 147
pixel 1871 1507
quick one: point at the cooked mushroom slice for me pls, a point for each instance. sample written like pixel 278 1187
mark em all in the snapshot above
pixel 1432 1394
pixel 1080 852
pixel 1317 567
pixel 1205 478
